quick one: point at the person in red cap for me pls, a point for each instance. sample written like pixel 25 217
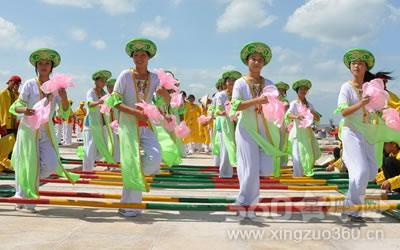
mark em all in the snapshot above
pixel 8 122
pixel 7 97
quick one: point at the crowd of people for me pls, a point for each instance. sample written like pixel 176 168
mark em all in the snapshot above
pixel 232 124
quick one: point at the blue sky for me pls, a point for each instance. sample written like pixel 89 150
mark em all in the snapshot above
pixel 199 39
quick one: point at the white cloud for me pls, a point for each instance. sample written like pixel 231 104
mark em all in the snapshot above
pixel 98 44
pixel 394 13
pixel 112 7
pixel 10 37
pixel 78 34
pixel 340 22
pixel 39 42
pixel 176 3
pixel 241 14
pixel 155 29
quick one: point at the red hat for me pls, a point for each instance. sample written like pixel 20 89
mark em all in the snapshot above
pixel 15 78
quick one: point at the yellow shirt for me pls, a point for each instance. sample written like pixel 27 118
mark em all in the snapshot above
pixel 394 101
pixel 80 113
pixel 204 129
pixel 6 118
pixel 192 113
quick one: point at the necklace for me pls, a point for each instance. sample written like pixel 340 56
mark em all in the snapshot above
pixel 141 86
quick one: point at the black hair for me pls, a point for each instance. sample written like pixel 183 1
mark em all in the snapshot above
pixel 191 96
pixel 381 74
pixel 51 70
pixel 183 93
pixel 140 50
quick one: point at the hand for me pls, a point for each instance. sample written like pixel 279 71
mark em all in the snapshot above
pixel 141 116
pixel 330 168
pixel 300 117
pixel 29 112
pixel 365 100
pixel 385 185
pixel 262 100
pixel 101 101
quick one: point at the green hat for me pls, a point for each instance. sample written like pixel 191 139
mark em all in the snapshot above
pixel 111 82
pixel 231 74
pixel 141 44
pixel 300 83
pixel 103 74
pixel 256 47
pixel 45 54
pixel 357 54
pixel 219 83
pixel 282 85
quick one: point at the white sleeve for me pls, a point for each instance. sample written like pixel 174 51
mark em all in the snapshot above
pixel 25 92
pixel 119 86
pixel 238 90
pixel 292 108
pixel 344 95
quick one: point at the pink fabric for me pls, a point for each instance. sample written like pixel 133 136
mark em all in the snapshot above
pixel 176 100
pixel 58 81
pixel 114 125
pixel 308 119
pixel 274 110
pixel 378 95
pixel 182 130
pixel 391 118
pixel 167 81
pixel 171 124
pixel 151 112
pixel 204 119
pixel 41 116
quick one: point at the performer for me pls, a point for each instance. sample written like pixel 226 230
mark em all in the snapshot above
pixel 215 143
pixel 254 142
pixel 205 128
pixel 192 114
pixel 358 133
pixel 67 126
pixel 98 138
pixel 36 151
pixel 226 128
pixel 305 148
pixel 140 150
pixel 389 177
pixel 284 133
pixel 80 114
pixel 113 116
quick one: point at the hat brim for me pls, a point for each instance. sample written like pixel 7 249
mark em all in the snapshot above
pixel 256 47
pixel 45 55
pixel 141 44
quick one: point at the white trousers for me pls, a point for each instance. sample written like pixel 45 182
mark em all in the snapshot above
pixel 59 132
pixel 91 152
pixel 252 162
pixel 297 167
pixel 67 133
pixel 225 167
pixel 359 157
pixel 151 160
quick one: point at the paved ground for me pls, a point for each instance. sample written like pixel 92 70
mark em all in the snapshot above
pixel 90 228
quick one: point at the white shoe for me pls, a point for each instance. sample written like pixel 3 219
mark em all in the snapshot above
pixel 129 212
pixel 190 152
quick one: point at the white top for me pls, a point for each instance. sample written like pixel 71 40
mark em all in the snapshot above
pixel 31 95
pixel 91 96
pixel 241 89
pixel 221 99
pixel 293 107
pixel 125 87
pixel 349 96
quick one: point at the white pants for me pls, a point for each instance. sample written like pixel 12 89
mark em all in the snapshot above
pixel 151 160
pixel 225 167
pixel 67 132
pixel 91 152
pixel 48 162
pixel 297 167
pixel 252 162
pixel 116 148
pixel 59 132
pixel 359 157
pixel 79 133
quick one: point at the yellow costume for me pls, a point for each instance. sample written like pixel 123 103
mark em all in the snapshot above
pixel 6 145
pixel 80 114
pixel 394 181
pixel 7 98
pixel 204 129
pixel 394 101
pixel 192 114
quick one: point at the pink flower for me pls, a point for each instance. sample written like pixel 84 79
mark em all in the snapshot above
pixel 58 81
pixel 274 110
pixel 42 112
pixel 377 94
pixel 151 112
pixel 167 81
pixel 176 100
pixel 391 118
pixel 182 130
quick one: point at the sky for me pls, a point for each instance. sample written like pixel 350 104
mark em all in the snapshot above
pixel 200 39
